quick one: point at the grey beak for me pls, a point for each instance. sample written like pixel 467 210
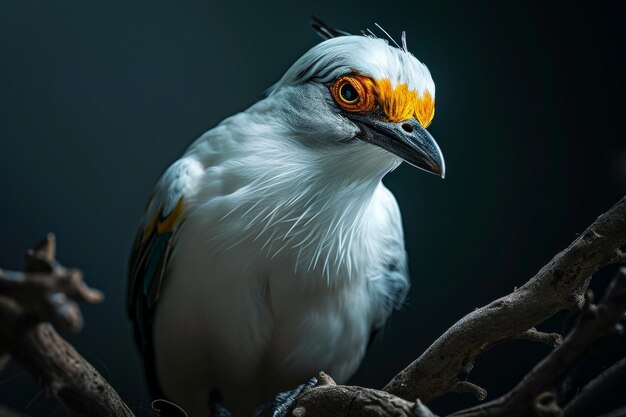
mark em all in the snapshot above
pixel 408 140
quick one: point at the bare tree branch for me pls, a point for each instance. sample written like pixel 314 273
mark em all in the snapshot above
pixel 327 399
pixel 614 376
pixel 559 285
pixel 535 391
pixel 48 292
pixel 550 339
pixel 469 388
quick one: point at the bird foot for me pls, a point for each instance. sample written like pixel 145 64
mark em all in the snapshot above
pixel 284 401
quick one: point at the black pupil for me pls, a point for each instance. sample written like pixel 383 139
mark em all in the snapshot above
pixel 348 92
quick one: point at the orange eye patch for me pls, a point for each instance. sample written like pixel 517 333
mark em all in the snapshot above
pixel 358 93
pixel 354 93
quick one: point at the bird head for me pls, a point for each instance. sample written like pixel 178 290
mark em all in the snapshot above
pixel 362 89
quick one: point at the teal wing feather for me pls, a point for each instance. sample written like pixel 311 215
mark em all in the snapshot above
pixel 164 215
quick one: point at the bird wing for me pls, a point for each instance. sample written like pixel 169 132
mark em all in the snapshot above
pixel 164 214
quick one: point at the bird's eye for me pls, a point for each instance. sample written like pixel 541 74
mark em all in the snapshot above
pixel 354 93
pixel 348 93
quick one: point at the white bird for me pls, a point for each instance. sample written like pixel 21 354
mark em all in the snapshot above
pixel 271 250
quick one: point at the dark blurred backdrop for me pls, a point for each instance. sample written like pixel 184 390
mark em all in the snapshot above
pixel 99 97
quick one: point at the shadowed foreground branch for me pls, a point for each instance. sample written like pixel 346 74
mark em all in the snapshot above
pixel 47 292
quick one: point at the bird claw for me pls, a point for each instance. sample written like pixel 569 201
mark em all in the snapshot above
pixel 284 400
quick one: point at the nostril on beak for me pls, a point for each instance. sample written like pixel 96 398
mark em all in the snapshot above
pixel 407 127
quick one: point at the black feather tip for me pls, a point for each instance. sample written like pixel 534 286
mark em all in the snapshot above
pixel 324 30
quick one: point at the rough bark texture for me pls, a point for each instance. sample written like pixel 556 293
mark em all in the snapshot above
pixel 535 393
pixel 559 285
pixel 48 291
pixel 327 399
pixel 591 393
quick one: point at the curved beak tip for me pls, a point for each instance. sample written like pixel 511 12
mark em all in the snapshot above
pixel 436 164
pixel 439 171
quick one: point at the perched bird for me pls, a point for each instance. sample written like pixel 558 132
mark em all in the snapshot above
pixel 271 250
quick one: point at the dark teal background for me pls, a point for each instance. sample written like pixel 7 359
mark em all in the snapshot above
pixel 98 98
